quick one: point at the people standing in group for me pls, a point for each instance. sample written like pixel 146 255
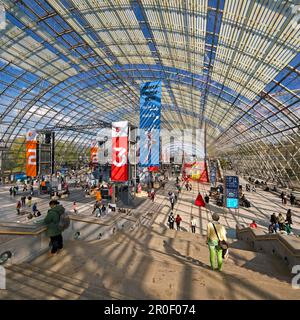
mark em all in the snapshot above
pixel 281 221
pixel 171 220
pixel 193 224
pixel 178 221
pixel 75 210
pixel 215 232
pixel 18 207
pixel 288 217
pixel 52 222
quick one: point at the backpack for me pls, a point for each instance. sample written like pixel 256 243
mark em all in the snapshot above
pixel 64 221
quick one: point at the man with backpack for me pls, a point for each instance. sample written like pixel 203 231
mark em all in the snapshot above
pixel 56 221
pixel 171 220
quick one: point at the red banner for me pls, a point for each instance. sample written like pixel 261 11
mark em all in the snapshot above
pixel 119 167
pixel 153 168
pixel 31 154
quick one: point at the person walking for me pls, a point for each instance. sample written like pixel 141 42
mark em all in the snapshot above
pixel 52 222
pixel 285 199
pixel 23 201
pixel 29 201
pixel 178 220
pixel 103 210
pixel 14 191
pixel 171 220
pixel 215 233
pixel 18 207
pixel 172 202
pixel 34 208
pixel 292 199
pixel 152 194
pixel 75 210
pixel 96 207
pixel 282 197
pixel 288 217
pixel 10 191
pixel 193 225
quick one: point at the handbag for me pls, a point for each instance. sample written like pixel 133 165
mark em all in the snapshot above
pixel 222 244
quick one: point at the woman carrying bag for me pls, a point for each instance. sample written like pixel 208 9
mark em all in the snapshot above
pixel 217 242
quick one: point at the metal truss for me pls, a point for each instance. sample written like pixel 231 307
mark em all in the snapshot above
pixel 233 65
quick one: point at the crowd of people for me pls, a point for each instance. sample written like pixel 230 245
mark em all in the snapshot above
pixel 280 223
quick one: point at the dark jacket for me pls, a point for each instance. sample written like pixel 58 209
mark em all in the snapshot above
pixel 52 220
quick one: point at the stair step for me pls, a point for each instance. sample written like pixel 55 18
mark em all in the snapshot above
pixel 46 286
pixel 92 291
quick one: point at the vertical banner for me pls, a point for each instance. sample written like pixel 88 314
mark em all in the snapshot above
pixel 31 154
pixel 94 152
pixel 119 166
pixel 150 108
pixel 232 192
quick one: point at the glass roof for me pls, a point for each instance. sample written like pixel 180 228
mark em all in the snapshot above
pixel 232 66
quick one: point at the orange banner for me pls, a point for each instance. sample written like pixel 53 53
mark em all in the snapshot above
pixel 94 154
pixel 31 167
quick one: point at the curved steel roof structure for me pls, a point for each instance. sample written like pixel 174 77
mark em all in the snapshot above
pixel 231 64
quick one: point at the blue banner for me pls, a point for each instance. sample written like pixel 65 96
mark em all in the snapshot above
pixel 150 109
pixel 232 191
pixel 213 174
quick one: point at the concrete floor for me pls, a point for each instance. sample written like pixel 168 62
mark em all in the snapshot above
pixel 158 263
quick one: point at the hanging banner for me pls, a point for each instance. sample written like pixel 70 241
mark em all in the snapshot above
pixel 94 152
pixel 232 192
pixel 119 167
pixel 31 154
pixel 150 108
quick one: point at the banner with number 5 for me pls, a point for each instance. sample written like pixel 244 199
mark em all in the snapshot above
pixel 119 166
pixel 31 154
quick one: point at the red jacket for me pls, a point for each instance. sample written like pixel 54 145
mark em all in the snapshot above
pixel 178 219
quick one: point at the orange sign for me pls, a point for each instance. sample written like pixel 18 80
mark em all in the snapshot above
pixel 98 196
pixel 94 154
pixel 31 167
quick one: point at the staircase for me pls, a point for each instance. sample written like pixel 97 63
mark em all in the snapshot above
pixel 149 263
